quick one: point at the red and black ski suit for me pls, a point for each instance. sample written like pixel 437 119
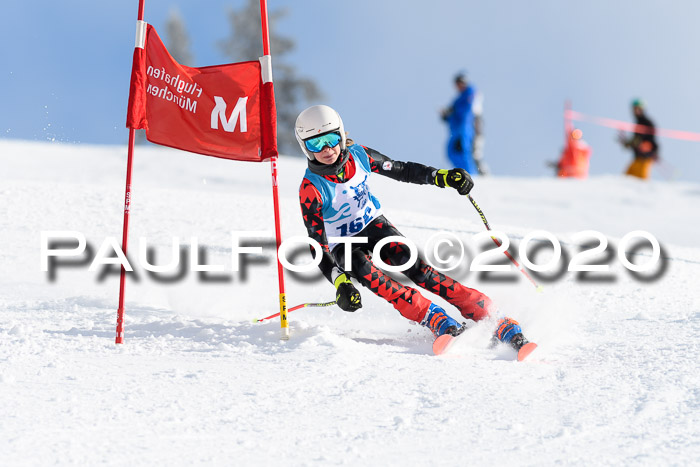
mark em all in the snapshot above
pixel 471 303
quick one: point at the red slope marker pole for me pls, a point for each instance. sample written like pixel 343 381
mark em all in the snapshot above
pixel 127 208
pixel 267 78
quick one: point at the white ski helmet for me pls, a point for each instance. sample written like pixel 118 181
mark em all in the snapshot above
pixel 318 120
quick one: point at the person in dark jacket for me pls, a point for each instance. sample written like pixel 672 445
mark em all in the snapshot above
pixel 642 142
pixel 337 202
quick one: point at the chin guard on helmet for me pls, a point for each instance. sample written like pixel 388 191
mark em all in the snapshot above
pixel 316 121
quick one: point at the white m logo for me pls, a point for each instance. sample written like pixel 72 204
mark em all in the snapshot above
pixel 219 113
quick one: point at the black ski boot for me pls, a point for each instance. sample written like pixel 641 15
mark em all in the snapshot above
pixel 518 341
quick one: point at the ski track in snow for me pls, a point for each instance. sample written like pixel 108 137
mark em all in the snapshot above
pixel 614 380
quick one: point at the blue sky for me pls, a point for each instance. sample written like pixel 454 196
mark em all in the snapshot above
pixel 387 67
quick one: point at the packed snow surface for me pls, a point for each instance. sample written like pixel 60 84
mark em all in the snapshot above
pixel 614 381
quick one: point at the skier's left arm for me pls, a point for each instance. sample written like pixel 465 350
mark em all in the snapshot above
pixel 413 172
pixel 408 172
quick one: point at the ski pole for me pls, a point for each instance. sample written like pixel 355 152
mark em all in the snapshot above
pixel 498 243
pixel 303 305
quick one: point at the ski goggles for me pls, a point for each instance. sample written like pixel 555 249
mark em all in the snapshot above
pixel 317 143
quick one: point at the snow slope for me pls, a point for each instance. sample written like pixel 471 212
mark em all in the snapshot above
pixel 614 381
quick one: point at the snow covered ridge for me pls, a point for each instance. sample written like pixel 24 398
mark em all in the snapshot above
pixel 613 382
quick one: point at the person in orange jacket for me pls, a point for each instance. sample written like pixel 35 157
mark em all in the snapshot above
pixel 575 157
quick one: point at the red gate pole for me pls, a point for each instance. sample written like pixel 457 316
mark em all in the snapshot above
pixel 127 199
pixel 267 77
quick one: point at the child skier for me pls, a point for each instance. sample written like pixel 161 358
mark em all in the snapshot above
pixel 336 201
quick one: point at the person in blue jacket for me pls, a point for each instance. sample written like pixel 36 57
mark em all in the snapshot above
pixel 460 118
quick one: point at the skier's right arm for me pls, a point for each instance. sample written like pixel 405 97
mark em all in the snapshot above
pixel 311 204
pixel 346 295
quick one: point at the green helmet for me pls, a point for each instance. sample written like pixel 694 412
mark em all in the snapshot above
pixel 638 103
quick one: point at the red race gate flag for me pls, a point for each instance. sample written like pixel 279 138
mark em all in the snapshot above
pixel 215 110
pixel 225 111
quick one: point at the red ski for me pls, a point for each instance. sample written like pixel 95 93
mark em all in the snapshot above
pixel 442 343
pixel 526 350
